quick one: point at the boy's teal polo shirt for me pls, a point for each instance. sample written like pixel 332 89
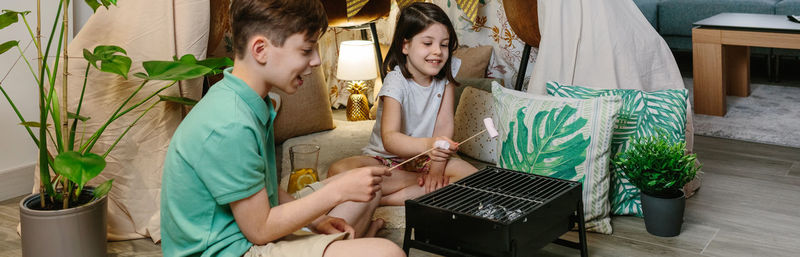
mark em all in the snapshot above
pixel 223 151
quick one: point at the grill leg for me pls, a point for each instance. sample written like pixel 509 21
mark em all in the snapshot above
pixel 582 230
pixel 407 239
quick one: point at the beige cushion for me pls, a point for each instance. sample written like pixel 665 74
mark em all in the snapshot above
pixel 475 105
pixel 474 61
pixel 305 112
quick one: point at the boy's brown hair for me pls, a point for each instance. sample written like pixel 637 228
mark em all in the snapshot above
pixel 275 19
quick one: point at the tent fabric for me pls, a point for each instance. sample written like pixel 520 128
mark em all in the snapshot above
pixel 147 30
pixel 603 44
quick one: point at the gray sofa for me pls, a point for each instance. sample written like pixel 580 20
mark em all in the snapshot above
pixel 673 18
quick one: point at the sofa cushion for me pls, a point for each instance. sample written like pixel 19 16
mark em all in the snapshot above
pixel 560 137
pixel 474 61
pixel 484 84
pixel 675 17
pixel 642 114
pixel 476 104
pixel 305 112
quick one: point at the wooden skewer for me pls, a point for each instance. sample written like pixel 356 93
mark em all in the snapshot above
pixel 473 136
pixel 429 150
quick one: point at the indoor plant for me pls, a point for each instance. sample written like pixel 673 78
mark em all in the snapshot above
pixel 66 162
pixel 659 169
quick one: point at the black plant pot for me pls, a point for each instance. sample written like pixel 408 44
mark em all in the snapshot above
pixel 663 216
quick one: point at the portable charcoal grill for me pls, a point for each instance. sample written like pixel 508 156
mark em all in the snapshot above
pixel 496 212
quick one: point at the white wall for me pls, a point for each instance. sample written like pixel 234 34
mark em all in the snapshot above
pixel 18 153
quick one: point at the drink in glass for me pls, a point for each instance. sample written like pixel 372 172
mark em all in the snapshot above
pixel 303 159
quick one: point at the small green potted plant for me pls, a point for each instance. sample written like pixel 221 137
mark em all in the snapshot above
pixel 67 217
pixel 659 169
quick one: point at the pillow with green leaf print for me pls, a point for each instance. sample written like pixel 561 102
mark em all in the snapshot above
pixel 641 115
pixel 560 137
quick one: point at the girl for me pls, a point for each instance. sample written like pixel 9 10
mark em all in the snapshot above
pixel 415 108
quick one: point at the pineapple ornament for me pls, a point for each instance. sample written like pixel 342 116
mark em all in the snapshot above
pixel 357 103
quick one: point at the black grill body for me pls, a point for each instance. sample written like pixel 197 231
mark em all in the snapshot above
pixel 495 212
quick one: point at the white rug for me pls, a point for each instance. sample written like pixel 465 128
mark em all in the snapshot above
pixel 770 115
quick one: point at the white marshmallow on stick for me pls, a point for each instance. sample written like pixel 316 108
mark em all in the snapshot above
pixel 441 144
pixel 489 124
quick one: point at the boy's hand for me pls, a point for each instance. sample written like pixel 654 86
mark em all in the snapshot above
pixel 359 184
pixel 332 225
pixel 441 155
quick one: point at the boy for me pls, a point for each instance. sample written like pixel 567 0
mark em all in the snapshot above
pixel 220 194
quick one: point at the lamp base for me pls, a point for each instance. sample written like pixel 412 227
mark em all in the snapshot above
pixel 357 107
pixel 357 103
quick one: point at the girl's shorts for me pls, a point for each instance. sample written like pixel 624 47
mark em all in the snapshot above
pixel 421 164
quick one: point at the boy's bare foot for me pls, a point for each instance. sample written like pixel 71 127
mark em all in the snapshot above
pixel 376 225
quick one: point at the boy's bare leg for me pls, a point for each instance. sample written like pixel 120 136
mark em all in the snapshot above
pixel 366 247
pixel 374 226
pixel 359 215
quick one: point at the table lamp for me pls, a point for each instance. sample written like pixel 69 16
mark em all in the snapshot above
pixel 357 63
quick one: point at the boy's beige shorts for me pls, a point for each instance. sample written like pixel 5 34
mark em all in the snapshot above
pixel 301 243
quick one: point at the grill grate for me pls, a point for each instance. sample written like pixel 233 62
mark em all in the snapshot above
pixel 505 191
pixel 495 212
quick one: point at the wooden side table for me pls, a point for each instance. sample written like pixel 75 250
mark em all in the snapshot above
pixel 721 54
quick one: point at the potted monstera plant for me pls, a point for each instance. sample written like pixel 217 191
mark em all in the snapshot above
pixel 659 169
pixel 67 217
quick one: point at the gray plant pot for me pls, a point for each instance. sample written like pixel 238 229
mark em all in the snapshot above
pixel 79 231
pixel 663 216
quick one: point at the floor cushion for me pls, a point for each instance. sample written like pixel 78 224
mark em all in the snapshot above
pixel 560 137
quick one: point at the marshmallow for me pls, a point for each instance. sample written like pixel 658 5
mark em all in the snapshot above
pixel 490 127
pixel 441 144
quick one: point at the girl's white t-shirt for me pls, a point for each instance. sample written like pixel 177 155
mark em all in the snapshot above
pixel 420 107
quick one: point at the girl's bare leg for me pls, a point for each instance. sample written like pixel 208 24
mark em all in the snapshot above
pixel 456 169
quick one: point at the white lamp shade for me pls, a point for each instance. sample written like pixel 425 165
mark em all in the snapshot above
pixel 357 61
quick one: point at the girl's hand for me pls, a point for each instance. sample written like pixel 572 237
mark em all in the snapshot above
pixel 434 180
pixel 441 155
pixel 332 225
pixel 358 184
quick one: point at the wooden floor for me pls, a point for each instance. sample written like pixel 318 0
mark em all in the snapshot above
pixel 748 205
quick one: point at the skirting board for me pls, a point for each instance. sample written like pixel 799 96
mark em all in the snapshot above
pixel 17 181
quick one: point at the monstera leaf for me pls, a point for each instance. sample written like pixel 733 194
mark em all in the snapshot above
pixel 556 147
pixel 94 4
pixel 112 59
pixel 79 168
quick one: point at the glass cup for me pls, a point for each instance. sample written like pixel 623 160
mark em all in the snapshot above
pixel 303 159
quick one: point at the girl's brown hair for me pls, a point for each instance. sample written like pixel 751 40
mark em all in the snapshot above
pixel 414 19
